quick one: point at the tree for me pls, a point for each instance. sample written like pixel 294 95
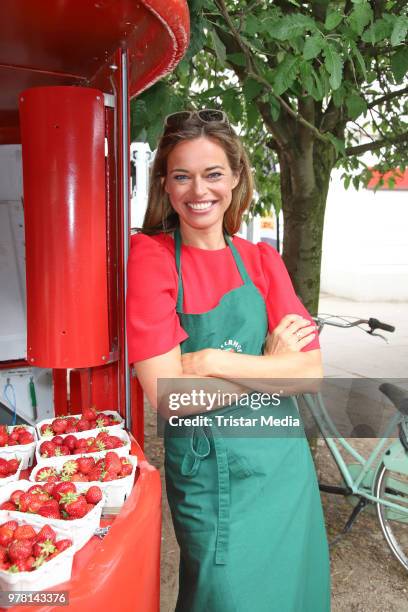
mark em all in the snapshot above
pixel 304 82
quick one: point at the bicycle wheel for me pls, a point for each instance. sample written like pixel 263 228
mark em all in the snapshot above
pixel 393 487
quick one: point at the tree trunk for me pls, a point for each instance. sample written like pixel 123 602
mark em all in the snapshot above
pixel 305 176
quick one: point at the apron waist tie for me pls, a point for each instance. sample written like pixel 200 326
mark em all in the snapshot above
pixel 199 450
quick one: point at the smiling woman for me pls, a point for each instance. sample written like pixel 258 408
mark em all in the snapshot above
pixel 201 301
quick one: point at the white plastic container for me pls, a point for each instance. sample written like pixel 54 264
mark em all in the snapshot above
pixel 58 462
pixel 91 432
pixel 115 491
pixel 80 530
pixel 15 476
pixel 23 451
pixel 50 573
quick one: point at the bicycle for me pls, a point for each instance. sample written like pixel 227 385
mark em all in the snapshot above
pixel 382 478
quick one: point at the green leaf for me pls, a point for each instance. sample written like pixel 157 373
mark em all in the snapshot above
pixel 399 64
pixel 337 143
pixel 356 105
pixel 275 108
pixel 377 31
pixel 290 26
pixel 313 46
pixel 237 58
pixel 360 16
pixel 212 92
pixel 359 59
pixel 338 96
pixel 399 31
pixel 285 74
pixel 253 25
pixel 252 114
pixel 251 89
pixel 219 47
pixel 333 18
pixel 334 65
pixel 153 132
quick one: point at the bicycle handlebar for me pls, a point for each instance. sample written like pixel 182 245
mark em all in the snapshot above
pixel 342 321
pixel 376 324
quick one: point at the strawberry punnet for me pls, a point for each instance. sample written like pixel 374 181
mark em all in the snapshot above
pixel 27 554
pixel 14 436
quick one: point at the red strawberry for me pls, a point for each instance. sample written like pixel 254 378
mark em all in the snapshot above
pixel 61 488
pixel 50 510
pixel 70 429
pixel 46 533
pixel 79 478
pixel 45 473
pixel 83 424
pixel 4 468
pixel 3 438
pixel 24 532
pixel 3 554
pixel 57 440
pixel 109 475
pixel 70 467
pixel 6 535
pixel 46 430
pixel 47 449
pixel 74 505
pixel 43 549
pixel 13 465
pixel 29 564
pixel 95 474
pixel 89 413
pixel 102 420
pixel 85 464
pixel 59 426
pixel 20 550
pixel 62 451
pixel 62 545
pixel 25 438
pixel 93 495
pixel 49 485
pixel 35 488
pixel 11 524
pixel 7 506
pixel 113 462
pixel 126 469
pixel 70 442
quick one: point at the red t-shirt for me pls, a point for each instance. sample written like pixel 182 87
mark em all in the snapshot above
pixel 153 327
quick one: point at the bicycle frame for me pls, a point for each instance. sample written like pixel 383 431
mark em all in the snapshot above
pixel 396 457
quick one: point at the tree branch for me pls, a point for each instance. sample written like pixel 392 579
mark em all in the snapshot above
pixel 253 73
pixel 377 144
pixel 388 96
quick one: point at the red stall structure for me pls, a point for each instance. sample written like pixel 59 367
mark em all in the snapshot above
pixel 68 71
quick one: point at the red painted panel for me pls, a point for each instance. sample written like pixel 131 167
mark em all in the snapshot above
pixel 62 132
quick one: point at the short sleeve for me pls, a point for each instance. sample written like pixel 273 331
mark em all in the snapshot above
pixel 281 298
pixel 153 326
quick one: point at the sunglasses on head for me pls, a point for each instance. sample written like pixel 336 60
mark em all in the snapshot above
pixel 206 115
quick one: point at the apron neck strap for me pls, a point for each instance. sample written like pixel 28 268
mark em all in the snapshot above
pixel 237 258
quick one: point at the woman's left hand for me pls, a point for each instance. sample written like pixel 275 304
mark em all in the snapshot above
pixel 198 363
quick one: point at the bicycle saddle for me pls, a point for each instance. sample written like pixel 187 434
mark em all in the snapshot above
pixel 397 395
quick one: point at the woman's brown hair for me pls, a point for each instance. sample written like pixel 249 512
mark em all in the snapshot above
pixel 160 216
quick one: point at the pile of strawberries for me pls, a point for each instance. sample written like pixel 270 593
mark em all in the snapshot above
pixel 90 419
pixel 87 469
pixel 70 445
pixel 23 549
pixel 8 467
pixel 54 500
pixel 15 436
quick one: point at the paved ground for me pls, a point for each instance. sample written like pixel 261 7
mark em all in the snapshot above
pixel 365 576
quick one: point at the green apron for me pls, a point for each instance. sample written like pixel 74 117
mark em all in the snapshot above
pixel 246 508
